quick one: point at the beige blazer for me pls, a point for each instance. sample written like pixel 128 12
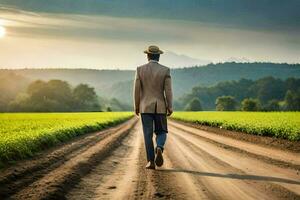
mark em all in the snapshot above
pixel 152 88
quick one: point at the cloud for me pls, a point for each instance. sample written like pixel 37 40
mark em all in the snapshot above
pixel 248 14
pixel 89 27
pixel 55 34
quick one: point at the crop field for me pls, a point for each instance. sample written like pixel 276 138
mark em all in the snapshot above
pixel 23 134
pixel 284 125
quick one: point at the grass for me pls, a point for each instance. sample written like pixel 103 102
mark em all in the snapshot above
pixel 284 125
pixel 23 134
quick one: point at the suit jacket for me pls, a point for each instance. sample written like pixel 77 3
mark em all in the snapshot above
pixel 152 88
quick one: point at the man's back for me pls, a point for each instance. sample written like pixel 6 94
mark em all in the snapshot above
pixel 153 93
pixel 153 100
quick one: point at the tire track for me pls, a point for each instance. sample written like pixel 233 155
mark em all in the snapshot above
pixel 206 172
pixel 122 175
pixel 116 176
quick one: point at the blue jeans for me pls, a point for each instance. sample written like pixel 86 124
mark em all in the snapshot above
pixel 149 121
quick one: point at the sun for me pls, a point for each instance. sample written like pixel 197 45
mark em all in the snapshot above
pixel 2 31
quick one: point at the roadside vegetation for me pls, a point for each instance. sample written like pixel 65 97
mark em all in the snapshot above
pixel 23 134
pixel 284 125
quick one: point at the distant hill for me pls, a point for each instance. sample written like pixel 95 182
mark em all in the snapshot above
pixel 118 83
pixel 186 78
pixel 173 60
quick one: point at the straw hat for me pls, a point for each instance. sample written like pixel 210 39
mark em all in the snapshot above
pixel 153 50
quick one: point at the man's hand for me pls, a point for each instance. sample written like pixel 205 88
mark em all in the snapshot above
pixel 137 112
pixel 170 111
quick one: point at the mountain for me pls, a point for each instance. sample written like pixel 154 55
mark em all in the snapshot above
pixel 238 60
pixel 187 78
pixel 118 83
pixel 172 60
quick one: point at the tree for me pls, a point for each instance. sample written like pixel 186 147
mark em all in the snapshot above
pixel 11 85
pixel 273 105
pixel 60 91
pixel 250 104
pixel 85 98
pixel 292 100
pixel 20 103
pixel 292 84
pixel 268 88
pixel 116 105
pixel 194 105
pixel 225 103
pixel 54 95
pixel 37 90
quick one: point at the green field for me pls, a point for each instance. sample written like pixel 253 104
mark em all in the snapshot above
pixel 284 125
pixel 23 134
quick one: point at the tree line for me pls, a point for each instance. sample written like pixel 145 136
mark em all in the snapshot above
pixel 60 96
pixel 265 94
pixel 19 94
pixel 55 96
pixel 118 83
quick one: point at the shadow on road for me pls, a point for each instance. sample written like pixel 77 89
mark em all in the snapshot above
pixel 232 176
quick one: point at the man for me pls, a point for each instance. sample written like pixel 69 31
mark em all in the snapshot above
pixel 153 100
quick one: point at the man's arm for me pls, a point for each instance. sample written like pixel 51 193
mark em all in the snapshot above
pixel 136 93
pixel 169 93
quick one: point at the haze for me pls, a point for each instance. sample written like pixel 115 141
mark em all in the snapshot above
pixel 112 34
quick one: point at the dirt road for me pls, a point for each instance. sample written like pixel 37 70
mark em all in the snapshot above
pixel 198 165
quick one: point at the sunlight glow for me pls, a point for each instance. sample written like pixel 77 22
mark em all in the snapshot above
pixel 2 32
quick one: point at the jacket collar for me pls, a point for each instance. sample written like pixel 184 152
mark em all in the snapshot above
pixel 153 61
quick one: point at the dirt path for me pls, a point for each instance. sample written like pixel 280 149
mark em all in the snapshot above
pixel 198 165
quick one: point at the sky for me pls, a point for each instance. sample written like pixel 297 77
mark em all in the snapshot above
pixel 104 34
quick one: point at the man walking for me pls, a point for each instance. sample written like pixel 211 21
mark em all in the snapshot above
pixel 153 100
